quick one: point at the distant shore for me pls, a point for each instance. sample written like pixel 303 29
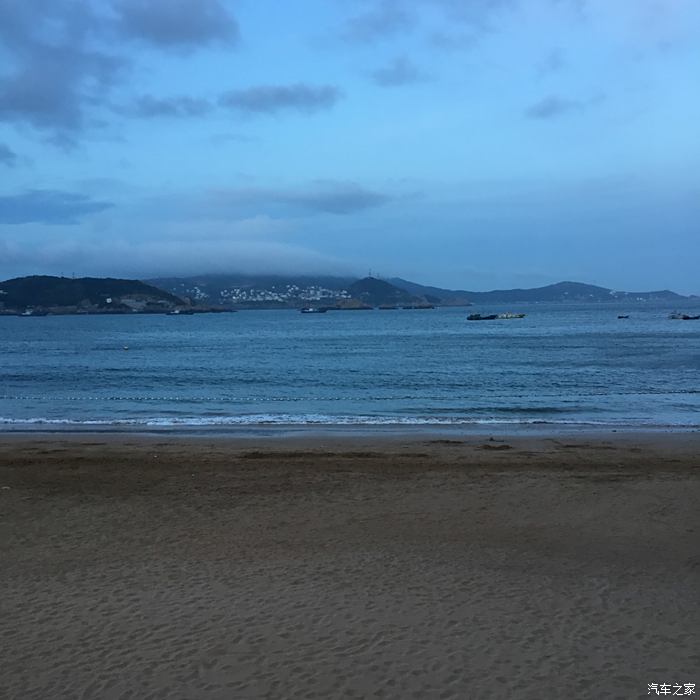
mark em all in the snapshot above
pixel 319 564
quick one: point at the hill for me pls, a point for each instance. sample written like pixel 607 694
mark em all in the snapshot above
pixel 436 295
pixel 88 294
pixel 562 291
pixel 375 292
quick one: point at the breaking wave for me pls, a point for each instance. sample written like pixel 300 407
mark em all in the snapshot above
pixel 266 419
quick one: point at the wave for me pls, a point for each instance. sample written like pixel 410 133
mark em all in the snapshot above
pixel 581 395
pixel 263 419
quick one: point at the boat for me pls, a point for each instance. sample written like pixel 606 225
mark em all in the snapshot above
pixel 494 317
pixel 314 310
pixel 181 312
pixel 624 316
pixel 678 316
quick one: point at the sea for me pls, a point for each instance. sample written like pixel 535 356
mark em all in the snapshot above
pixel 564 364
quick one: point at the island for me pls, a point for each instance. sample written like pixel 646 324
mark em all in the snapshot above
pixel 41 295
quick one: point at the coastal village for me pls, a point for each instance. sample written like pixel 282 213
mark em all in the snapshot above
pixel 283 293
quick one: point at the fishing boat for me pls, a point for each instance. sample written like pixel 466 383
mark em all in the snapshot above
pixel 678 316
pixel 494 317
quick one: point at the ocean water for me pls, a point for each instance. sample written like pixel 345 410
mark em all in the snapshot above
pixel 564 364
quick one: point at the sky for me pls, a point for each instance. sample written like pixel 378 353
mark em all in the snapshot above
pixel 471 144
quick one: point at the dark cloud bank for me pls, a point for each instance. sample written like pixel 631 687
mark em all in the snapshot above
pixel 148 107
pixel 51 71
pixel 177 23
pixel 554 106
pixel 270 99
pixel 7 155
pixel 48 207
pixel 387 19
pixel 384 19
pixel 321 197
pixel 59 64
pixel 399 72
pixel 257 100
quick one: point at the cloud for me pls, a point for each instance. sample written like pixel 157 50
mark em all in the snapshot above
pixel 233 137
pixel 553 106
pixel 264 99
pixel 464 24
pixel 58 66
pixel 477 14
pixel 7 156
pixel 553 62
pixel 48 207
pixel 459 24
pixel 322 197
pixel 399 72
pixel 338 198
pixel 51 68
pixel 450 41
pixel 148 107
pixel 386 19
pixel 177 23
pixel 270 99
pixel 165 257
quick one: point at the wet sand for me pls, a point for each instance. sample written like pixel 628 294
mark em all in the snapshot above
pixel 321 566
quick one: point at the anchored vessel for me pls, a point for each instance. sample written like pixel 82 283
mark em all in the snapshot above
pixel 493 317
pixel 683 317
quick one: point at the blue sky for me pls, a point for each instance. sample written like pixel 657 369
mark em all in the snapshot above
pixel 473 144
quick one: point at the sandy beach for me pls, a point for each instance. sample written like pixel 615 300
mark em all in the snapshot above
pixel 323 566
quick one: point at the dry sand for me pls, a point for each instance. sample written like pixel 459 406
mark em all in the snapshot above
pixel 323 567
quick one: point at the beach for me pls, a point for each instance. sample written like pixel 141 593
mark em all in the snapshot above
pixel 368 564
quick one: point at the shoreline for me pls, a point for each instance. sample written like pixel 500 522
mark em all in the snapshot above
pixel 397 427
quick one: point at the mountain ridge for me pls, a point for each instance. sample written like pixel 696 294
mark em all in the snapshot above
pixel 323 289
pixel 559 291
pixel 222 292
